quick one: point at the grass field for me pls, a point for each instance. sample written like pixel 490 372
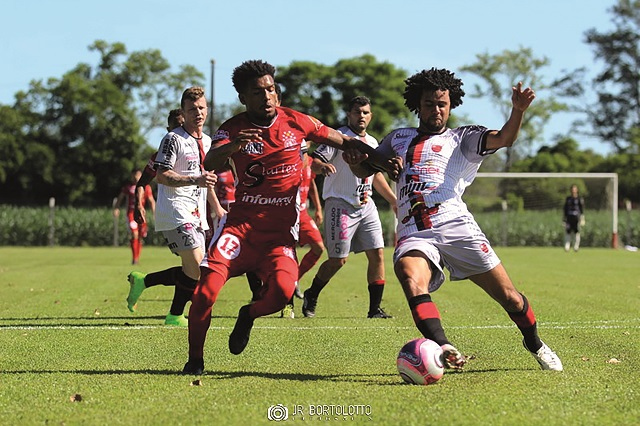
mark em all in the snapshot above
pixel 65 330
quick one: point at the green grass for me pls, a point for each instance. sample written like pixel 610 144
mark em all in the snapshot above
pixel 65 330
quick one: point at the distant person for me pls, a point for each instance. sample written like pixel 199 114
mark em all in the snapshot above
pixel 352 222
pixel 435 229
pixel 573 219
pixel 136 231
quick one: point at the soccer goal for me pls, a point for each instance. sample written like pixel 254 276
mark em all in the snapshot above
pixel 527 208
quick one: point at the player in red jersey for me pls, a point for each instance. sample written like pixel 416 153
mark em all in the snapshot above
pixel 136 231
pixel 263 146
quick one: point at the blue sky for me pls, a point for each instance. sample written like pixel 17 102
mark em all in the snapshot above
pixel 43 39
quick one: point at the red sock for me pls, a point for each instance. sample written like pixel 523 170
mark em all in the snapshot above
pixel 202 302
pixel 136 249
pixel 307 263
pixel 427 318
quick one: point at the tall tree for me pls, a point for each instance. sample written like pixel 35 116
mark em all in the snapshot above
pixel 499 72
pixel 615 118
pixel 77 137
pixel 323 91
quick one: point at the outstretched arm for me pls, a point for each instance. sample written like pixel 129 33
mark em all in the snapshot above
pixel 506 136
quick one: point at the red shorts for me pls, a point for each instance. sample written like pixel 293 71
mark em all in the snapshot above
pixel 309 231
pixel 133 225
pixel 239 249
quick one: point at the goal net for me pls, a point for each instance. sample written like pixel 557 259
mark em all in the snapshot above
pixel 526 209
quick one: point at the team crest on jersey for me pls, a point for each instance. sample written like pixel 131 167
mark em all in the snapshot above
pixel 289 139
pixel 254 148
pixel 484 248
pixel 436 148
pixel 220 135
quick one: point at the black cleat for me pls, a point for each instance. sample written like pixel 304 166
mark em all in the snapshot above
pixel 378 313
pixel 195 367
pixel 309 305
pixel 239 337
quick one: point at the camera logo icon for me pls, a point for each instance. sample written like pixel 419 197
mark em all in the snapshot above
pixel 278 413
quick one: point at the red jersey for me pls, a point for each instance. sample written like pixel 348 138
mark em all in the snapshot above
pixel 269 172
pixel 226 187
pixel 307 176
pixel 129 190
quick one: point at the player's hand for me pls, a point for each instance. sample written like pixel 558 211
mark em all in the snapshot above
pixel 353 156
pixel 207 179
pixel 327 169
pixel 247 136
pixel 139 215
pixel 520 98
pixel 317 217
pixel 395 168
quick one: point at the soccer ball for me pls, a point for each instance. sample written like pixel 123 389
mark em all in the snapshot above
pixel 420 362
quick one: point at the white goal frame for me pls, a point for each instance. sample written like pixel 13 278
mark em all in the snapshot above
pixel 612 176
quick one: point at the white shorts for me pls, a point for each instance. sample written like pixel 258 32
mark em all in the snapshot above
pixel 458 244
pixel 350 229
pixel 185 237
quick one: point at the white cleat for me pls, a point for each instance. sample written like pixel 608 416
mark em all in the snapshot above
pixel 547 358
pixel 452 358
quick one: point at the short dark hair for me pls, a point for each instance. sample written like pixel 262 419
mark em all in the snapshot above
pixel 358 100
pixel 249 71
pixel 433 79
pixel 175 119
pixel 192 94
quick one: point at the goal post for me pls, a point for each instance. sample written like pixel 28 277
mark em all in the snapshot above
pixel 538 192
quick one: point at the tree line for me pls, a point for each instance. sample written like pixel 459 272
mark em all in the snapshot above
pixel 77 137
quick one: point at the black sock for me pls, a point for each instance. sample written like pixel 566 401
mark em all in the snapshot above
pixel 427 318
pixel 525 320
pixel 316 286
pixel 182 294
pixel 375 296
pixel 168 277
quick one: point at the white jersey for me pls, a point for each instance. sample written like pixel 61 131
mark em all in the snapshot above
pixel 176 206
pixel 437 170
pixel 343 184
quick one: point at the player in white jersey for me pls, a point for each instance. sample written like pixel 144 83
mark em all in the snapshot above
pixel 435 229
pixel 181 208
pixel 351 220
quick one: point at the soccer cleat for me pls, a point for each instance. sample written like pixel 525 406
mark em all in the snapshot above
pixel 452 358
pixel 176 320
pixel 287 312
pixel 547 358
pixel 239 337
pixel 194 366
pixel 136 282
pixel 309 305
pixel 378 313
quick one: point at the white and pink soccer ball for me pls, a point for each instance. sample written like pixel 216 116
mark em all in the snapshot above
pixel 420 362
